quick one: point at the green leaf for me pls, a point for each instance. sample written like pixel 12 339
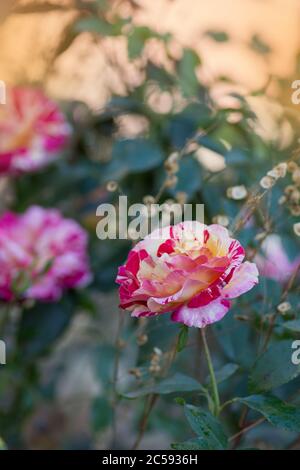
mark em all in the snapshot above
pixel 189 177
pixel 100 26
pixel 176 383
pixel 277 412
pixel 188 80
pixel 274 368
pixel 132 156
pixel 185 124
pixel 182 338
pixel 237 345
pixel 164 79
pixel 191 444
pixel 101 413
pixel 258 45
pixel 293 325
pixel 236 157
pixel 218 36
pixel 42 325
pixel 138 38
pixel 225 372
pixel 212 144
pixel 2 445
pixel 207 427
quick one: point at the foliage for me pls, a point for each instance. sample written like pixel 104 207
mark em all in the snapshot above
pixel 251 348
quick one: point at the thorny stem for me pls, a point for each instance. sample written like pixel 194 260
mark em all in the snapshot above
pixel 214 385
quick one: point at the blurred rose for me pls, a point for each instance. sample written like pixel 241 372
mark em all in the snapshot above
pixel 32 131
pixel 274 263
pixel 191 270
pixel 41 255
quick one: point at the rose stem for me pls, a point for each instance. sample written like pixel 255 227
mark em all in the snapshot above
pixel 212 374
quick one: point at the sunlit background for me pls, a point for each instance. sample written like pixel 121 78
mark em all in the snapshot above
pixel 246 46
pixel 30 41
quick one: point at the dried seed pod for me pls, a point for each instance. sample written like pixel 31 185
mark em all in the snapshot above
pixel 181 197
pixel 296 176
pixel 295 195
pixel 171 167
pixel 237 192
pixel 173 158
pixel 267 182
pixel 112 186
pixel 154 368
pixel 171 181
pixel 282 200
pixel 284 307
pixel 295 210
pixel 135 372
pixel 148 199
pixel 142 339
pixel 279 171
pixel 221 220
pixel 296 228
pixel 292 166
pixel 157 351
pixel 241 317
pixel 289 189
pixel 121 344
pixel 260 236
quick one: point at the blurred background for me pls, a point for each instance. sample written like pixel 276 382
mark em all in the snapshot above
pixel 137 79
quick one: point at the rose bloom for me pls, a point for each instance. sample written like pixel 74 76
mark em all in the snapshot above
pixel 273 262
pixel 41 255
pixel 190 269
pixel 32 131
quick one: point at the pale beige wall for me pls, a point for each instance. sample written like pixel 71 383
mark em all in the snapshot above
pixel 84 71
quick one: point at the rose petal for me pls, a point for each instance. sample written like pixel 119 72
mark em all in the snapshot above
pixel 243 279
pixel 202 316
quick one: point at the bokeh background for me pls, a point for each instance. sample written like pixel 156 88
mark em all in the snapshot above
pixel 243 56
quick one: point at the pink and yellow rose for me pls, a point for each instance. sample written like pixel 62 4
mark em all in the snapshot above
pixel 32 131
pixel 41 255
pixel 191 270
